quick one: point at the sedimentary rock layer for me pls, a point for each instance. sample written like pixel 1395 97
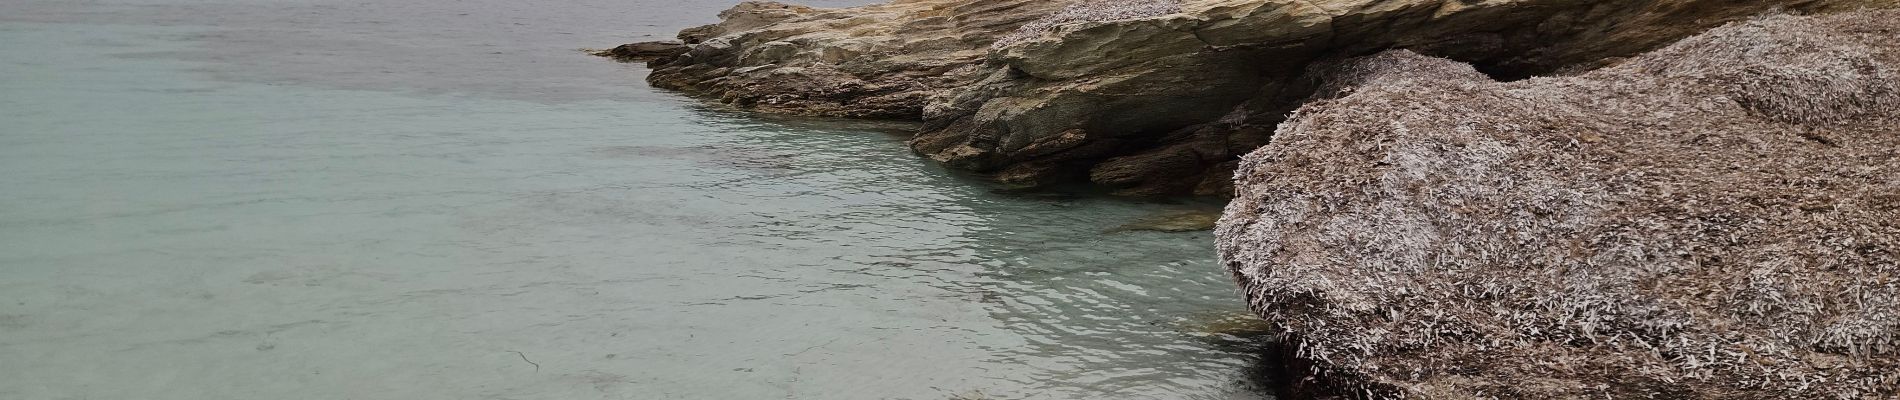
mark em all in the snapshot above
pixel 1146 96
pixel 1717 219
pixel 878 61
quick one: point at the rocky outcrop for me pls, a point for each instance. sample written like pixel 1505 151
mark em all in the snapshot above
pixel 878 61
pixel 1718 219
pixel 1145 96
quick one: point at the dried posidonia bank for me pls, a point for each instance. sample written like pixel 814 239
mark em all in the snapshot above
pixel 1718 219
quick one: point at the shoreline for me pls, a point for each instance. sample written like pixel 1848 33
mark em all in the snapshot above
pixel 1156 98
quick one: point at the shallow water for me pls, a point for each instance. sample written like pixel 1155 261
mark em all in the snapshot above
pixel 387 199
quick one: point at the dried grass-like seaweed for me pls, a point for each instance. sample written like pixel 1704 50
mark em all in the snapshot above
pixel 1716 219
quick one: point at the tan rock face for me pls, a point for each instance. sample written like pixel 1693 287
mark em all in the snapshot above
pixel 880 61
pixel 1147 96
pixel 1718 219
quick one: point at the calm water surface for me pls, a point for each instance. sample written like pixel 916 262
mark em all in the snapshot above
pixel 385 199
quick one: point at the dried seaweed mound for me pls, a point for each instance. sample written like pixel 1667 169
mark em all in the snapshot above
pixel 1091 11
pixel 1716 219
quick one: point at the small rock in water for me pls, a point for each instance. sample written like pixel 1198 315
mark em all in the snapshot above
pixel 643 51
pixel 1037 193
pixel 1236 324
pixel 1173 221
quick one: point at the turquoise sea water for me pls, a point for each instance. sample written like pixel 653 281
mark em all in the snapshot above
pixel 319 199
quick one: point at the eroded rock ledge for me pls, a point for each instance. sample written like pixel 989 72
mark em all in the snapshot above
pixel 1719 219
pixel 1146 96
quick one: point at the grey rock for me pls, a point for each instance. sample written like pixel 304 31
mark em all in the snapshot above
pixel 644 51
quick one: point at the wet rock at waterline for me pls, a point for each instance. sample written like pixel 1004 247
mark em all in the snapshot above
pixel 1146 97
pixel 1172 221
pixel 1717 219
pixel 643 51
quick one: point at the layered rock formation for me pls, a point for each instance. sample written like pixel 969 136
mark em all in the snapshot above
pixel 1718 219
pixel 1146 96
pixel 878 61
